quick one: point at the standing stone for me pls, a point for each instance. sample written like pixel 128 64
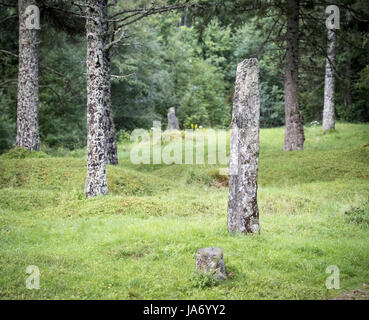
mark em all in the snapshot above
pixel 96 183
pixel 27 109
pixel 328 110
pixel 210 260
pixel 172 120
pixel 243 212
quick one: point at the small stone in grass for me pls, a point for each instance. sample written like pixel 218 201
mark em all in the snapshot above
pixel 210 260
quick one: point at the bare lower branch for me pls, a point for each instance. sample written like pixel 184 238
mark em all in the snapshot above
pixel 9 53
pixel 149 11
pixel 122 77
pixel 41 64
pixel 7 81
pixel 122 36
pixel 8 18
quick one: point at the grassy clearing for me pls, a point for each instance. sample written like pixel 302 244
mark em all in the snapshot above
pixel 140 241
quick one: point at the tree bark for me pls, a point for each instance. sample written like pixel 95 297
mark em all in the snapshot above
pixel 294 132
pixel 243 212
pixel 96 183
pixel 111 140
pixel 27 108
pixel 348 96
pixel 329 91
pixel 348 71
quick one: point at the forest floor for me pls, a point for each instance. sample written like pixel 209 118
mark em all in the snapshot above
pixel 140 241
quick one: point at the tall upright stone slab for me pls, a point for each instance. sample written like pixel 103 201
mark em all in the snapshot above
pixel 243 212
pixel 172 120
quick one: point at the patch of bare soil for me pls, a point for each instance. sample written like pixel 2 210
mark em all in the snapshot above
pixel 358 294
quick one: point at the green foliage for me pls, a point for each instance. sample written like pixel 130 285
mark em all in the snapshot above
pixel 203 102
pixel 248 41
pixel 185 60
pixel 123 136
pixel 363 81
pixel 218 46
pixel 62 93
pixel 167 70
pixel 8 77
pixel 352 99
pixel 204 280
pixel 271 105
pixel 62 118
pixel 362 87
pixel 7 126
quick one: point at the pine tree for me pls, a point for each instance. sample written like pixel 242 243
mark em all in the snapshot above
pixel 28 101
pixel 294 132
pixel 96 183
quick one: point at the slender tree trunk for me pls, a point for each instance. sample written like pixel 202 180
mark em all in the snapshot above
pixel 294 132
pixel 348 97
pixel 96 183
pixel 111 140
pixel 328 111
pixel 348 72
pixel 27 110
pixel 183 21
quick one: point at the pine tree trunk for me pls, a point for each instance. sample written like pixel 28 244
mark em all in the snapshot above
pixel 328 111
pixel 96 183
pixel 294 132
pixel 348 72
pixel 27 109
pixel 111 140
pixel 348 96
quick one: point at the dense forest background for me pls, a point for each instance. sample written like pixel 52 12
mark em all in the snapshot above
pixel 187 60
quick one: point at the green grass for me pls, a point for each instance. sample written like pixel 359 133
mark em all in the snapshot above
pixel 140 241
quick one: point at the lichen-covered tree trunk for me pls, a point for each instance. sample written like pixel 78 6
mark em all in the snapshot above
pixel 328 110
pixel 96 183
pixel 243 212
pixel 294 132
pixel 111 140
pixel 27 109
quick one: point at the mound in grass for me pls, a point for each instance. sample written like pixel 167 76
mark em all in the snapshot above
pixel 69 175
pixel 219 179
pixel 23 153
pixel 359 215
